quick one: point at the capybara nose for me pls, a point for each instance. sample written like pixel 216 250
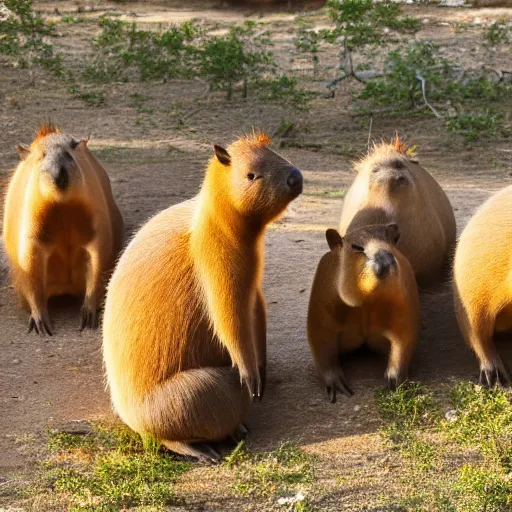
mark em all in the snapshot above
pixel 294 180
pixel 382 263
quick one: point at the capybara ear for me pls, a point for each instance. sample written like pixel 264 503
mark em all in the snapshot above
pixel 23 151
pixel 393 233
pixel 222 155
pixel 333 239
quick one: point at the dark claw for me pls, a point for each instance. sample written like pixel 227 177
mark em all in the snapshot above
pixel 39 326
pixel 339 384
pixel 90 319
pixel 254 386
pixel 207 453
pixel 495 376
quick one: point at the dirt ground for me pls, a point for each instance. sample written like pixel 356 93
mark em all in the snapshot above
pixel 153 163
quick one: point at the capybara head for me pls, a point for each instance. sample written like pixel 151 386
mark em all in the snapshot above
pixel 366 260
pixel 390 168
pixel 259 182
pixel 51 156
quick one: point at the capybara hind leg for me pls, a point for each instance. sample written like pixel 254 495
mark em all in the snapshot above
pixel 200 405
pixel 202 452
pixel 94 289
pixel 492 369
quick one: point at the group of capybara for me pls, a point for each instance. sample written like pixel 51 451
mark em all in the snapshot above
pixel 184 324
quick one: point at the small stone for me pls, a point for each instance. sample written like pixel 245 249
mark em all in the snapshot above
pixel 16 361
pixel 451 415
pixel 357 408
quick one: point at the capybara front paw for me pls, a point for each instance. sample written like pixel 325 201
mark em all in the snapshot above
pixel 395 378
pixel 496 375
pixel 40 323
pixel 90 318
pixel 336 381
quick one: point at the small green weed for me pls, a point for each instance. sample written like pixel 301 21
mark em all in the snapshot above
pixel 109 469
pixel 279 473
pixel 238 57
pixel 497 33
pixel 93 98
pixel 335 193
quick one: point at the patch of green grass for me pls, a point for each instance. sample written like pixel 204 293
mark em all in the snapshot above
pixel 408 412
pixel 497 33
pixel 109 469
pixel 483 419
pixel 483 488
pixel 93 98
pixel 282 472
pixel 410 406
pixel 478 124
pixel 335 193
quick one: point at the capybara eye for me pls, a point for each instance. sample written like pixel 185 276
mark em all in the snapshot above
pixel 357 248
pixel 251 176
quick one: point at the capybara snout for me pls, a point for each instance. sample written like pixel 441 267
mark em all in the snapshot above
pixel 383 262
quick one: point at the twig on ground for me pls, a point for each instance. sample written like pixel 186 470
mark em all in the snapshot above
pixel 423 84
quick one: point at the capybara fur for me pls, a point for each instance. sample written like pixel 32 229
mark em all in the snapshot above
pixel 62 229
pixel 392 187
pixel 184 333
pixel 364 292
pixel 483 283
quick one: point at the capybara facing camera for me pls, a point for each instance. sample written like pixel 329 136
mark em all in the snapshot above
pixel 391 186
pixel 364 291
pixel 184 333
pixel 62 229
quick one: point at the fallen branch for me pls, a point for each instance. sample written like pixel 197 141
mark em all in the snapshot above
pixel 423 83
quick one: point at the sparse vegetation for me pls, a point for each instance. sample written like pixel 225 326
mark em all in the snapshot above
pixel 108 469
pixel 420 78
pixel 281 473
pixel 497 33
pixel 23 40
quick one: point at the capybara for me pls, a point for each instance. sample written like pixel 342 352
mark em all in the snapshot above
pixel 483 283
pixel 392 187
pixel 62 229
pixel 364 292
pixel 184 332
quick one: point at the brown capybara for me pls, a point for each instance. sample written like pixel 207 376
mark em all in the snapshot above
pixel 184 331
pixel 483 283
pixel 364 292
pixel 62 229
pixel 392 187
